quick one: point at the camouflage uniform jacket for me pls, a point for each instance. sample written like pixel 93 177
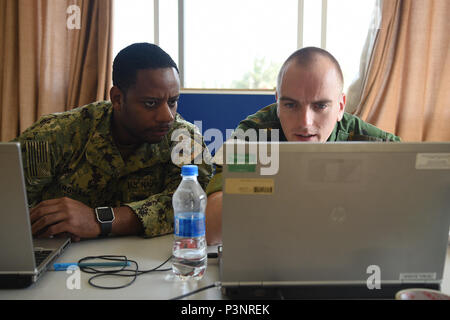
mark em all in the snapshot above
pixel 350 128
pixel 72 154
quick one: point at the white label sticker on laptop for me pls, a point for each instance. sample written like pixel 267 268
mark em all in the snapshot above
pixel 249 186
pixel 420 276
pixel 433 161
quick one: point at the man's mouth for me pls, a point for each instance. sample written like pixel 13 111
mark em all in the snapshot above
pixel 305 137
pixel 161 131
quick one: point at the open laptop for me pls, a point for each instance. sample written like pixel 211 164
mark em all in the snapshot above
pixel 23 259
pixel 336 220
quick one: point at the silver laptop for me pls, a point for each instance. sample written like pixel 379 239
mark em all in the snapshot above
pixel 334 220
pixel 23 260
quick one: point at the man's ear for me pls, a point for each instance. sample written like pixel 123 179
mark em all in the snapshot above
pixel 117 97
pixel 342 102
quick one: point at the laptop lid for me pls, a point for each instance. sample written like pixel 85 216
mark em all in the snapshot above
pixel 335 213
pixel 16 242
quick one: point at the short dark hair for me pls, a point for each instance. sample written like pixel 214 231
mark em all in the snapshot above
pixel 306 56
pixel 136 57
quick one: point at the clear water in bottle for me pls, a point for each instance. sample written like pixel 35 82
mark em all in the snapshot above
pixel 189 248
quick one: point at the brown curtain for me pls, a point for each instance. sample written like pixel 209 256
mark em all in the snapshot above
pixel 407 89
pixel 47 67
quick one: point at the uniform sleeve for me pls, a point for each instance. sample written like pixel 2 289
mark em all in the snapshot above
pixel 352 128
pixel 392 137
pixel 39 159
pixel 156 212
pixel 371 133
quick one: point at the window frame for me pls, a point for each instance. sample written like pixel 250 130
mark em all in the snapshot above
pixel 181 60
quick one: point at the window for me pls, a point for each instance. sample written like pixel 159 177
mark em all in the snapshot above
pixel 237 44
pixel 348 22
pixel 132 23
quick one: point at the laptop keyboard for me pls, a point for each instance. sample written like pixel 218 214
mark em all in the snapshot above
pixel 41 255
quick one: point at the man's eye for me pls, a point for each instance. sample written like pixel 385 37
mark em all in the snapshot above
pixel 150 104
pixel 320 106
pixel 173 103
pixel 289 105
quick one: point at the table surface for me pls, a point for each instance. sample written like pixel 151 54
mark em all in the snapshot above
pixel 149 253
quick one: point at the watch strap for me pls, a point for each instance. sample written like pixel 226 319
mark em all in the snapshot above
pixel 106 228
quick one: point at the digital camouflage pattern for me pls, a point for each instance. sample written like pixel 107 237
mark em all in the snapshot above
pixel 350 128
pixel 72 154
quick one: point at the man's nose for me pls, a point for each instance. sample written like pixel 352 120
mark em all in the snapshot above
pixel 165 114
pixel 306 116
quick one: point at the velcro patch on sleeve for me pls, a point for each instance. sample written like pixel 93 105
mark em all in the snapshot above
pixel 38 159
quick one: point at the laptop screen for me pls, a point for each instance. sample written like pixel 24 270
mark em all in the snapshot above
pixel 332 213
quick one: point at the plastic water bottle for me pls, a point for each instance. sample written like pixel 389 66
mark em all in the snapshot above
pixel 189 247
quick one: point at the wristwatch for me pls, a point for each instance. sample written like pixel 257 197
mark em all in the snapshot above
pixel 105 216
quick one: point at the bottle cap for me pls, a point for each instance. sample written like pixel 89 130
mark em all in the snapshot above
pixel 189 170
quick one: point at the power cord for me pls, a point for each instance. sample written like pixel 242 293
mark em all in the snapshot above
pixel 118 272
pixel 134 273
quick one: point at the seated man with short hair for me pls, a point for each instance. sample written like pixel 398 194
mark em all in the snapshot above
pixel 310 108
pixel 114 154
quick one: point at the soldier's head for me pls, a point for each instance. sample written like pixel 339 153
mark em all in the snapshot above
pixel 310 95
pixel 145 92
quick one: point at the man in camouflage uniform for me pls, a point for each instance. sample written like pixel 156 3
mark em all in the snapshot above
pixel 310 107
pixel 111 154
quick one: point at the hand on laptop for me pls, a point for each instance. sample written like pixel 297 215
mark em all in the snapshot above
pixel 64 216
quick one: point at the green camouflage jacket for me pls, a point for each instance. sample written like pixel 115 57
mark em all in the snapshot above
pixel 350 128
pixel 72 154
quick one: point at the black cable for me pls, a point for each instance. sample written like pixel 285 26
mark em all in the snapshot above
pixel 216 284
pixel 134 273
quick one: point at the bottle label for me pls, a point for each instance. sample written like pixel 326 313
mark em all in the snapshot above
pixel 190 225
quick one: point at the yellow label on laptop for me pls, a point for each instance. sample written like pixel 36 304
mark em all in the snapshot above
pixel 249 186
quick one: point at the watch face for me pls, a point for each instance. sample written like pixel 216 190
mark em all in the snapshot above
pixel 105 214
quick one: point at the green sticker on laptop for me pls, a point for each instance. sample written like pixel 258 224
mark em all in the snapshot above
pixel 241 162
